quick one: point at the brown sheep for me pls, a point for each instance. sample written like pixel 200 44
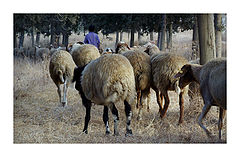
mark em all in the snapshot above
pixel 141 64
pixel 122 47
pixel 212 80
pixel 164 68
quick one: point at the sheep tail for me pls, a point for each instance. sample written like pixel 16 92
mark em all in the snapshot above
pixel 60 74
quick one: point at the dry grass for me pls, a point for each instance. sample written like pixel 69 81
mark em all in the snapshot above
pixel 38 117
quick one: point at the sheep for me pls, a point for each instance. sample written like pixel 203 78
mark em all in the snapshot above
pixel 61 68
pixel 141 64
pixel 212 79
pixel 164 67
pixel 42 53
pixel 73 46
pixel 108 81
pixel 122 47
pixel 108 51
pixel 83 54
pixel 152 49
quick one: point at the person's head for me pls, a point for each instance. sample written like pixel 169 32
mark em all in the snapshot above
pixel 91 28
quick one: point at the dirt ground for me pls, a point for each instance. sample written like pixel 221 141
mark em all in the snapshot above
pixel 38 117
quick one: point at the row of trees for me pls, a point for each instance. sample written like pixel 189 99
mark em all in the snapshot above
pixel 165 25
pixel 64 24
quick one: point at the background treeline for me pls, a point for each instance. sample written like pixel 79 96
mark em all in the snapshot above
pixel 56 25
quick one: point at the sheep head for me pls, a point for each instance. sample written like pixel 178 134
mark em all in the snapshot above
pixel 121 47
pixel 186 75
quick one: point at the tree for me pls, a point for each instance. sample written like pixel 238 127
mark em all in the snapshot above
pixel 163 33
pixel 206 37
pixel 218 34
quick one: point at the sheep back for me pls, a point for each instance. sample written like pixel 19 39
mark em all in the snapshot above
pixel 108 79
pixel 213 78
pixel 141 64
pixel 61 61
pixel 43 53
pixel 164 68
pixel 83 54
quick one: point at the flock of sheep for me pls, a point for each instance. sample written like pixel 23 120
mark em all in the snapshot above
pixel 126 76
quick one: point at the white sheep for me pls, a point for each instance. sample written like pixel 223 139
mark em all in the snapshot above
pixel 212 80
pixel 108 81
pixel 61 70
pixel 83 54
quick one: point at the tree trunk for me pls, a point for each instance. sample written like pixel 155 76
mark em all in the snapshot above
pixel 206 37
pixel 63 39
pixel 121 36
pixel 32 36
pixel 163 34
pixel 218 34
pixel 139 36
pixel 169 41
pixel 132 37
pixel 195 40
pixel 195 30
pixel 117 37
pixel 37 38
pixel 151 36
pixel 15 39
pixel 66 38
pixel 21 39
pixel 159 39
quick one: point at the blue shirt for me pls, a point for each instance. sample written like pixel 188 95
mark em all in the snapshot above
pixel 92 38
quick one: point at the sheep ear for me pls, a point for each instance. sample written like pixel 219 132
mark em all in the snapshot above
pixel 128 47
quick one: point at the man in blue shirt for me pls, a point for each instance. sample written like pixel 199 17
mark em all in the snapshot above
pixel 92 38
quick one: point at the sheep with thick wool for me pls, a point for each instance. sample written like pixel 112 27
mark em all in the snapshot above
pixel 164 67
pixel 141 64
pixel 108 81
pixel 212 79
pixel 122 47
pixel 83 54
pixel 61 70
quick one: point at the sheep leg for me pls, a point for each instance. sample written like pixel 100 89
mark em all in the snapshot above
pixel 164 111
pixel 59 93
pixel 105 119
pixel 65 87
pixel 139 98
pixel 148 102
pixel 205 110
pixel 159 100
pixel 139 107
pixel 87 118
pixel 220 121
pixel 128 113
pixel 115 118
pixel 87 104
pixel 181 105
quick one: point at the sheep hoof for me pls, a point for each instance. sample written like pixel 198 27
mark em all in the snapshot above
pixel 116 133
pixel 107 132
pixel 85 131
pixel 64 104
pixel 128 133
pixel 180 122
